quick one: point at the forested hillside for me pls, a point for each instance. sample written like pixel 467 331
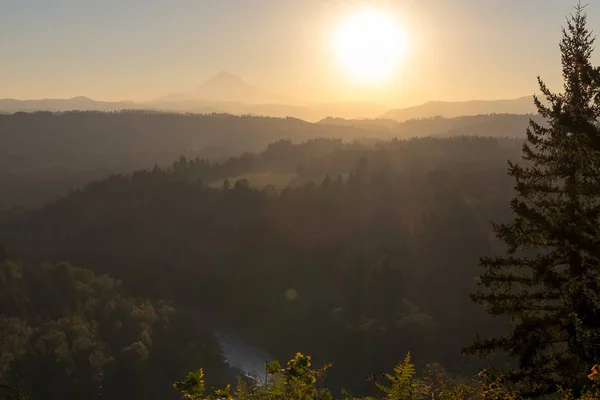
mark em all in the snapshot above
pixel 497 125
pixel 44 155
pixel 381 257
pixel 68 331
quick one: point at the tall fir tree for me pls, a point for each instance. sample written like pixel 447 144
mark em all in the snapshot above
pixel 547 283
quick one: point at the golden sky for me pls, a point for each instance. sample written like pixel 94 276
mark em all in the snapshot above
pixel 144 49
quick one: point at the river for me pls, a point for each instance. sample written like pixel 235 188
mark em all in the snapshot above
pixel 250 360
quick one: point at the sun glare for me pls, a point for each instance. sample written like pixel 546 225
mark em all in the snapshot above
pixel 369 45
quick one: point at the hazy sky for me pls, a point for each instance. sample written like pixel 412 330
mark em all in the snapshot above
pixel 142 49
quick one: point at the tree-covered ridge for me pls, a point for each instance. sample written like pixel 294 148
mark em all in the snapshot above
pixel 313 160
pixel 66 332
pixel 496 125
pixel 382 257
pixel 282 156
pixel 44 155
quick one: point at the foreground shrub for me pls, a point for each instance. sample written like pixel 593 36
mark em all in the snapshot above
pixel 299 381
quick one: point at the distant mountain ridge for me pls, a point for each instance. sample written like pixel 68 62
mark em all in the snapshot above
pixel 80 103
pixel 310 113
pixel 447 109
pixel 229 93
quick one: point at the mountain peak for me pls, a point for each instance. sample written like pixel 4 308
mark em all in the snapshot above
pixel 81 98
pixel 225 76
pixel 224 81
pixel 227 87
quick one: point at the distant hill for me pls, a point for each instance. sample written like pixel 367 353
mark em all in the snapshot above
pixel 47 154
pixel 134 133
pixel 496 125
pixel 311 113
pixel 235 108
pixel 81 103
pixel 371 125
pixel 522 105
pixel 347 109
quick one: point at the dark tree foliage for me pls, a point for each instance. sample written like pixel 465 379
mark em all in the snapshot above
pixel 379 260
pixel 281 156
pixel 3 252
pixel 68 333
pixel 548 280
pixel 44 155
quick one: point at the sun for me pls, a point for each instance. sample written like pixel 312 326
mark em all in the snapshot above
pixel 369 44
